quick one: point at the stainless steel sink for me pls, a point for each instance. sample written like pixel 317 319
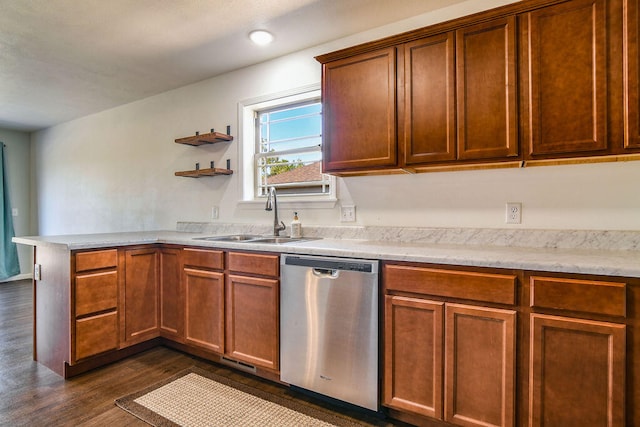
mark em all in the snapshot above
pixel 281 240
pixel 255 238
pixel 231 238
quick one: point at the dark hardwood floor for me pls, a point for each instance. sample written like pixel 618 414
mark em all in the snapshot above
pixel 32 395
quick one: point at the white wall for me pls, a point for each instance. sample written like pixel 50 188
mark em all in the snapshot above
pixel 113 171
pixel 18 178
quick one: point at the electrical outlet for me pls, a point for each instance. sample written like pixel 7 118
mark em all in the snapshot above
pixel 14 212
pixel 215 212
pixel 514 213
pixel 347 213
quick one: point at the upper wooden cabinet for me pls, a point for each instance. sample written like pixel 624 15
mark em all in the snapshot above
pixel 359 112
pixel 486 88
pixel 632 74
pixel 564 77
pixel 523 83
pixel 428 111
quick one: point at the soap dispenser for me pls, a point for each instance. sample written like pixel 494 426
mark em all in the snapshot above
pixel 296 227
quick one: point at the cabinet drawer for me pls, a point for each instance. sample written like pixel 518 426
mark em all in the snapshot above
pixel 495 288
pixel 96 334
pixel 203 258
pixel 262 264
pixel 96 259
pixel 588 296
pixel 96 292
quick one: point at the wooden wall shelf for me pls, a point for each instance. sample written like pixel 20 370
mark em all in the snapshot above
pixel 206 138
pixel 198 173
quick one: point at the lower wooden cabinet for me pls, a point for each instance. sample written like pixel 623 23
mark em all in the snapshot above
pixel 95 308
pixel 204 308
pixel 253 309
pixel 139 296
pixel 252 320
pixel 171 295
pixel 448 361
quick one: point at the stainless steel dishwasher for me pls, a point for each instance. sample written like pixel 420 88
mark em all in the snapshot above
pixel 329 327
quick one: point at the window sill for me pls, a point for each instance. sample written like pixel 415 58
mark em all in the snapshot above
pixel 328 203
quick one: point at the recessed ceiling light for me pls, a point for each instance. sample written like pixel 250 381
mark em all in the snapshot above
pixel 261 37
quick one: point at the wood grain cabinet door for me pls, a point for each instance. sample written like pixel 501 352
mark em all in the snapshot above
pixel 141 310
pixel 359 112
pixel 486 90
pixel 632 73
pixel 577 372
pixel 428 111
pixel 252 329
pixel 413 376
pixel 479 366
pixel 565 78
pixel 204 308
pixel 171 295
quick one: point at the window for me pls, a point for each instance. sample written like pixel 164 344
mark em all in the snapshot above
pixel 288 149
pixel 281 147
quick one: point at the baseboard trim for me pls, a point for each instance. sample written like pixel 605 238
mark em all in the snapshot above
pixel 22 276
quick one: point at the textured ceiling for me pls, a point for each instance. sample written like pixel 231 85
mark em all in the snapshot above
pixel 63 59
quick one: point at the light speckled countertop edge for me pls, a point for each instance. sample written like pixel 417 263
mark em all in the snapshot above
pixel 560 260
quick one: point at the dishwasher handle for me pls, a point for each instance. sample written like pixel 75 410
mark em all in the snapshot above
pixel 326 273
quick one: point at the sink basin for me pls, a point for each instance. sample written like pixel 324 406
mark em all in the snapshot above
pixel 255 238
pixel 231 238
pixel 283 239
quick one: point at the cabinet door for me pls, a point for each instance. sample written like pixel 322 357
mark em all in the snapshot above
pixel 486 90
pixel 252 331
pixel 413 355
pixel 632 82
pixel 140 296
pixel 479 366
pixel 171 298
pixel 577 372
pixel 359 112
pixel 566 78
pixel 429 130
pixel 204 308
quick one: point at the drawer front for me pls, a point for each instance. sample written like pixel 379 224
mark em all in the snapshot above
pixel 95 260
pixel 588 296
pixel 261 264
pixel 96 292
pixel 203 258
pixel 494 288
pixel 96 334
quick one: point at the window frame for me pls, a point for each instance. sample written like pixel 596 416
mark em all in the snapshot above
pixel 247 147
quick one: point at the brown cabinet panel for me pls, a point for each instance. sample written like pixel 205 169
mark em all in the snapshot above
pixel 171 301
pixel 429 129
pixel 632 74
pixel 479 366
pixel 588 296
pixel 497 288
pixel 140 296
pixel 565 78
pixel 95 260
pixel 253 313
pixel 96 334
pixel 252 263
pixel 96 292
pixel 203 258
pixel 359 112
pixel 577 372
pixel 204 308
pixel 413 376
pixel 486 90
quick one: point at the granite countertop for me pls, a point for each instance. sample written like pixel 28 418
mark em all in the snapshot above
pixel 608 262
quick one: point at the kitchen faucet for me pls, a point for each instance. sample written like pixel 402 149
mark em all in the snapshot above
pixel 272 204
